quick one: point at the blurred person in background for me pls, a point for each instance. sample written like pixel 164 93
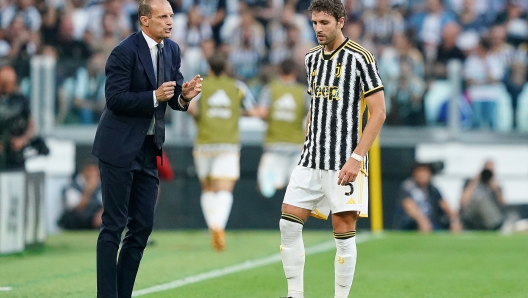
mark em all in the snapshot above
pixel 283 104
pixel 470 19
pixel 23 44
pixel 421 205
pixel 191 30
pixel 482 203
pixel 482 72
pixel 447 50
pixel 214 12
pixel 407 101
pixel 518 77
pixel 514 19
pixel 483 206
pixel 83 200
pixel 428 26
pixel 110 36
pixel 88 92
pixel 16 124
pixel 96 14
pixel 217 111
pixel 71 55
pixel 294 47
pixel 247 48
pixel 382 23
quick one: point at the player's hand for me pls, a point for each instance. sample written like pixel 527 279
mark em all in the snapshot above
pixel 166 91
pixel 348 172
pixel 425 226
pixel 192 88
pixel 17 143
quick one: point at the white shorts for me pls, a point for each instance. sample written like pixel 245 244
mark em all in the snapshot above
pixel 275 169
pixel 318 191
pixel 218 165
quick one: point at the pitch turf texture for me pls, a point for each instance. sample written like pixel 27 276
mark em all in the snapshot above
pixel 391 265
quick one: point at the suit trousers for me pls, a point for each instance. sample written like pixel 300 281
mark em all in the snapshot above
pixel 129 198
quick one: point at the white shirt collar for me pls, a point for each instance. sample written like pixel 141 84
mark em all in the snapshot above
pixel 150 42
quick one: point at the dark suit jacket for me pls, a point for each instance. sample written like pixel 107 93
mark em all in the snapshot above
pixel 130 80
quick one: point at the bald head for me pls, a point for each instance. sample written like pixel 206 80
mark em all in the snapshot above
pixel 8 80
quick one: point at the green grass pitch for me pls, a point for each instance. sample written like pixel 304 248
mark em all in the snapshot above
pixel 391 265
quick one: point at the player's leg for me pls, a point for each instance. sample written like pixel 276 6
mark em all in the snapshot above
pixel 292 248
pixel 303 193
pixel 225 172
pixel 344 224
pixel 266 175
pixel 207 199
pixel 346 204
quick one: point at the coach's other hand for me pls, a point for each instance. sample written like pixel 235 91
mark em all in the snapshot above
pixel 348 172
pixel 192 88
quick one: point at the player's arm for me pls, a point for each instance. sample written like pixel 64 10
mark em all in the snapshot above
pixel 307 123
pixel 193 106
pixel 411 208
pixel 376 107
pixel 377 111
pixel 455 224
pixel 249 104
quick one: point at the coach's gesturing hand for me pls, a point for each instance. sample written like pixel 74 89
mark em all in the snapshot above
pixel 166 91
pixel 349 172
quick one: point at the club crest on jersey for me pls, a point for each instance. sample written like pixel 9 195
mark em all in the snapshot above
pixel 338 70
pixel 326 92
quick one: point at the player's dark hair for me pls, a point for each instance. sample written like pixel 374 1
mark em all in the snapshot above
pixel 217 63
pixel 287 67
pixel 144 9
pixel 334 8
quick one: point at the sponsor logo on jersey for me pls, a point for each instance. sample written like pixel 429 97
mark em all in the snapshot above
pixel 326 92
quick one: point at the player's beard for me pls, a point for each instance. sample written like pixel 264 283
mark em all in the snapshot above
pixel 328 39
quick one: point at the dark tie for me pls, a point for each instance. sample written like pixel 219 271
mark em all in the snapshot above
pixel 159 114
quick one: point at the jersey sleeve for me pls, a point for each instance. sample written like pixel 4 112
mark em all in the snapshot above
pixel 248 100
pixel 264 98
pixel 368 73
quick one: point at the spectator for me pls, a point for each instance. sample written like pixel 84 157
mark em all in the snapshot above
pixel 382 23
pixel 16 124
pixel 421 205
pixel 447 50
pixel 192 30
pixel 214 12
pixel 515 22
pixel 110 36
pixel 82 200
pixel 482 203
pixel 429 25
pixel 482 72
pixel 470 19
pixel 277 30
pixel 408 98
pixel 96 14
pixel 247 50
pixel 518 77
pixel 89 99
pixel 294 47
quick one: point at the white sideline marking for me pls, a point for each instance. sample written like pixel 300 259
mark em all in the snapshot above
pixel 250 264
pixel 5 289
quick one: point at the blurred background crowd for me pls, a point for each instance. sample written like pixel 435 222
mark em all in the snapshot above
pixel 413 41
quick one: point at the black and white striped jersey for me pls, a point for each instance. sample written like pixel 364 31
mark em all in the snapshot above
pixel 338 84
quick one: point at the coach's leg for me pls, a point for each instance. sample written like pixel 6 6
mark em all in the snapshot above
pixel 143 194
pixel 344 224
pixel 292 247
pixel 115 188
